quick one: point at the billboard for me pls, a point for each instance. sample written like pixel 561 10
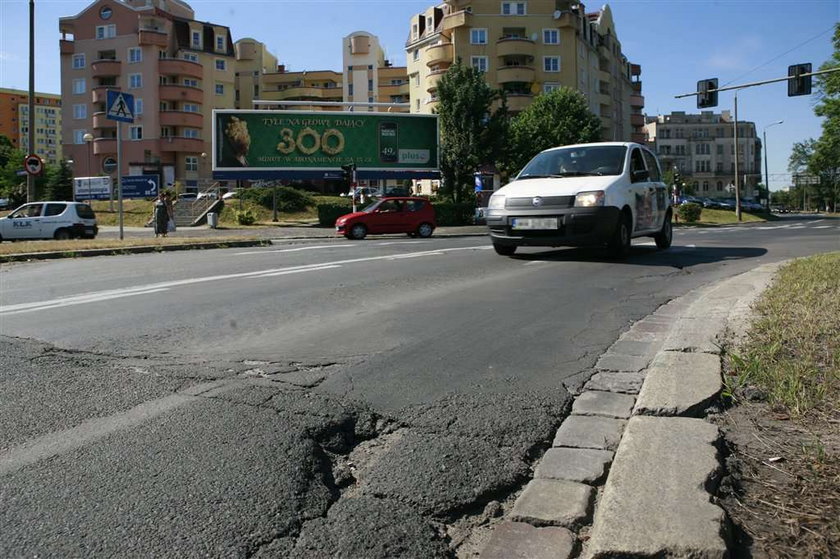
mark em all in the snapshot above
pixel 298 144
pixel 92 188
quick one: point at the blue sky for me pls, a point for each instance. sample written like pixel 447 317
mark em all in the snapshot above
pixel 677 42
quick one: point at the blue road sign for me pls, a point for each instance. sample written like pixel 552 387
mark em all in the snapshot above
pixel 119 106
pixel 140 186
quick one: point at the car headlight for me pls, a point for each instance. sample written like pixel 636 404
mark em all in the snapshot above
pixel 589 199
pixel 497 202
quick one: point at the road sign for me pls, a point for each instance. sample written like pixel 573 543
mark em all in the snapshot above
pixel 21 173
pixel 109 165
pixel 120 106
pixel 33 164
pixel 140 186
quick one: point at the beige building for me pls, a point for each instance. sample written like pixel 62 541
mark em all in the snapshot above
pixel 178 70
pixel 702 147
pixel 526 48
pixel 14 122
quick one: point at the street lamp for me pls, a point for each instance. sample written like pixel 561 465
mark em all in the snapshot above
pixel 88 138
pixel 766 173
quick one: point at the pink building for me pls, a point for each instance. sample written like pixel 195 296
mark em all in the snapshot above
pixel 178 70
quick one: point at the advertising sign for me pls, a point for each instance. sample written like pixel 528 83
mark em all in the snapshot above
pixel 140 186
pixel 92 188
pixel 278 144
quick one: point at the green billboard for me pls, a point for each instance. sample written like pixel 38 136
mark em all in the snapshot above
pixel 284 141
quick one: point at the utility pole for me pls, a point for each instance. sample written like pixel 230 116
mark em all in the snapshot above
pixel 737 182
pixel 30 178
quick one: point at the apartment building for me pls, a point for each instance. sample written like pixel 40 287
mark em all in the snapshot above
pixel 177 68
pixel 14 122
pixel 702 147
pixel 526 48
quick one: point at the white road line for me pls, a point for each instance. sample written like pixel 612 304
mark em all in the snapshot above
pixel 93 298
pixel 290 249
pixel 384 244
pixel 416 255
pixel 798 227
pixel 287 272
pixel 823 227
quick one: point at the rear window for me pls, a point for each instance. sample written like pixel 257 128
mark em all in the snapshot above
pixel 85 211
pixel 415 205
pixel 55 209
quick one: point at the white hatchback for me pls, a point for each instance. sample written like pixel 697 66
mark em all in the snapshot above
pixel 49 220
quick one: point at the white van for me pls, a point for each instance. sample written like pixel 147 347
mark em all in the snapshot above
pixel 49 220
pixel 600 194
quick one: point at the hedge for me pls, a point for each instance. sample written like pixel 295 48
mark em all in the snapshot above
pixel 328 213
pixel 450 213
pixel 289 200
pixel 689 213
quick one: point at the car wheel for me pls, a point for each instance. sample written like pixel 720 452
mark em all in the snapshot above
pixel 358 232
pixel 665 236
pixel 425 230
pixel 504 250
pixel 620 243
pixel 61 235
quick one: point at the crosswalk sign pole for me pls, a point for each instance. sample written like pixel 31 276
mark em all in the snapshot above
pixel 119 177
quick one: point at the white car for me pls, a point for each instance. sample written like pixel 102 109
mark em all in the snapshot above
pixel 49 220
pixel 600 194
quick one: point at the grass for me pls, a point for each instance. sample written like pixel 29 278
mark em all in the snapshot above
pixel 792 351
pixel 71 247
pixel 724 217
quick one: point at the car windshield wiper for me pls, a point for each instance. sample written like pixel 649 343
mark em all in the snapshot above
pixel 578 174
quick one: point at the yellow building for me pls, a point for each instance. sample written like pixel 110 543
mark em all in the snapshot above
pixel 526 48
pixel 14 122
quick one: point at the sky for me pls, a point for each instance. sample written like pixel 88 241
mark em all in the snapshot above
pixel 676 42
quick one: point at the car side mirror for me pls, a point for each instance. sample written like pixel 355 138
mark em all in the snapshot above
pixel 640 175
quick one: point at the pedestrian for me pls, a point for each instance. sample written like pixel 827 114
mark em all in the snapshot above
pixel 170 209
pixel 160 215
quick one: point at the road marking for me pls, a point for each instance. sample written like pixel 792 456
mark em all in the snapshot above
pixel 797 227
pixel 401 243
pixel 287 272
pixel 80 300
pixel 823 227
pixel 416 255
pixel 290 249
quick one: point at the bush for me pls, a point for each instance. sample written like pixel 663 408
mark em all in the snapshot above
pixel 245 217
pixel 328 213
pixel 450 213
pixel 690 213
pixel 289 200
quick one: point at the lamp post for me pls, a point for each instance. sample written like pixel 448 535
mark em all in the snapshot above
pixel 766 172
pixel 88 138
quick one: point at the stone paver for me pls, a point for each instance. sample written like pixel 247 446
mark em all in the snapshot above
pixel 583 431
pixel 681 384
pixel 606 404
pixel 698 335
pixel 655 503
pixel 584 465
pixel 554 502
pixel 518 540
pixel 633 347
pixel 626 383
pixel 618 362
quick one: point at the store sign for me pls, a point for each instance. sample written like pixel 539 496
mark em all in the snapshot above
pixel 323 141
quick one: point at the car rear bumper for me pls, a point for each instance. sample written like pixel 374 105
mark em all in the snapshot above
pixel 81 230
pixel 575 227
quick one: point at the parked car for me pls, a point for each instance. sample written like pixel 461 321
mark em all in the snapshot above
pixel 779 209
pixel 230 195
pixel 690 200
pixel 49 220
pixel 209 195
pixel 4 203
pixel 711 203
pixel 405 214
pixel 751 206
pixel 600 194
pixel 368 192
pixel 188 196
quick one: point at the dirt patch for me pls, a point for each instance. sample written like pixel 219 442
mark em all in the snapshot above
pixel 783 488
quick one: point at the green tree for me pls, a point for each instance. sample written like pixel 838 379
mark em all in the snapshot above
pixel 59 181
pixel 556 118
pixel 825 157
pixel 467 122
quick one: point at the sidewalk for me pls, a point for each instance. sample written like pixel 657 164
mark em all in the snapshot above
pixel 633 470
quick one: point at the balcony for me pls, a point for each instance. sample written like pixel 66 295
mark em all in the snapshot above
pixel 99 121
pixel 637 120
pixel 181 118
pixel 636 86
pixel 178 143
pixel 66 47
pixel 605 99
pixel 635 70
pixel 637 101
pixel 105 68
pixel 171 92
pixel 517 102
pixel 104 146
pixel 439 54
pixel 293 93
pixel 567 19
pixel 178 67
pixel 515 46
pixel 152 37
pixel 433 80
pixel 99 94
pixel 510 74
pixel 388 90
pixel 457 19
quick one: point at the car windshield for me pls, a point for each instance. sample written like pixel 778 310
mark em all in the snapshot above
pixel 370 207
pixel 576 162
pixel 85 211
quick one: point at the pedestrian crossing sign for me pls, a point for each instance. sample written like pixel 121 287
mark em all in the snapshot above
pixel 120 106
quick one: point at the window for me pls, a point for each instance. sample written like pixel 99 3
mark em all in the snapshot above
pixel 720 149
pixel 196 39
pixel 220 42
pixel 414 31
pixel 720 186
pixel 78 61
pixel 220 64
pixel 370 99
pixel 220 89
pixel 79 136
pixel 135 54
pixel 189 108
pixel 191 163
pixel 350 89
pixel 190 132
pixel 416 79
pixel 551 63
pixel 191 56
pixel 479 63
pixel 138 106
pixel 370 85
pixel 79 86
pixel 135 81
pixel 165 132
pixel 106 31
pixel 80 111
pixel 135 132
pixel 514 8
pixel 416 55
pixel 652 166
pixel 550 86
pixel 478 36
pixel 551 36
pixel 189 82
pixel 705 186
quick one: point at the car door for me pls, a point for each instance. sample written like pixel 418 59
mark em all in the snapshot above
pixel 386 217
pixel 642 191
pixel 660 197
pixel 24 223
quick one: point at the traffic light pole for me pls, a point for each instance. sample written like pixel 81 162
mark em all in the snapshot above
pixel 753 84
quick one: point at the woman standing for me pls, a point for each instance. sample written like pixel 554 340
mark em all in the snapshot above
pixel 161 215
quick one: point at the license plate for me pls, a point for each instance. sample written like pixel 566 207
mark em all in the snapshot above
pixel 534 223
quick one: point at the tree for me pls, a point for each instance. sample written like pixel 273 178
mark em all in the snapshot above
pixel 825 157
pixel 59 181
pixel 467 125
pixel 556 118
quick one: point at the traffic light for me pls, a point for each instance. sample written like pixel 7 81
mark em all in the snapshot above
pixel 797 84
pixel 348 173
pixel 708 95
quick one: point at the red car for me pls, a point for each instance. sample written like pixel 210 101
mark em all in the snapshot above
pixel 402 214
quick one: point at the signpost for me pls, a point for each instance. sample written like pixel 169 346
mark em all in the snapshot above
pixel 140 186
pixel 119 107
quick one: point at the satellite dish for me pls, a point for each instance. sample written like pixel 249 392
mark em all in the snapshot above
pixel 558 14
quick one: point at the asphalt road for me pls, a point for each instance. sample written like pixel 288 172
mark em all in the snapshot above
pixel 312 398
